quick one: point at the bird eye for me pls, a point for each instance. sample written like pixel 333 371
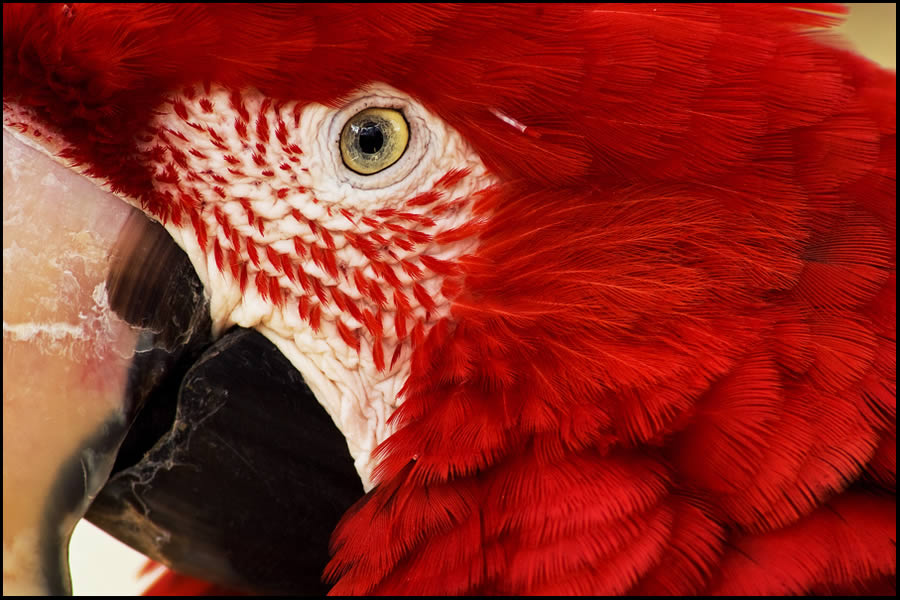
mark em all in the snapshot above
pixel 374 139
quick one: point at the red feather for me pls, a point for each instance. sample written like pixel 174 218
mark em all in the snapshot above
pixel 670 364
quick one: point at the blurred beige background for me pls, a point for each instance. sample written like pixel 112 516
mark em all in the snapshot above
pixel 872 28
pixel 103 566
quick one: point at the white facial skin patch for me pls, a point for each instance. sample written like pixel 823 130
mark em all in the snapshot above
pixel 343 272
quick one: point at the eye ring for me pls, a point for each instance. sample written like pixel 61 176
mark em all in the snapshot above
pixel 374 139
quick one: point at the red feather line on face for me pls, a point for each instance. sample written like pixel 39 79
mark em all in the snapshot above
pixel 671 364
pixel 379 236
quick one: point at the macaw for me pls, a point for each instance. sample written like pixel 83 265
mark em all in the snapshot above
pixel 520 299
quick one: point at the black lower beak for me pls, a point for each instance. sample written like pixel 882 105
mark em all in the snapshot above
pixel 231 471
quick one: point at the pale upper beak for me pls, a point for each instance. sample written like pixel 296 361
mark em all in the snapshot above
pixel 209 455
pixel 65 361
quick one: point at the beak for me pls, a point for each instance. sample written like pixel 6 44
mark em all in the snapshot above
pixel 207 453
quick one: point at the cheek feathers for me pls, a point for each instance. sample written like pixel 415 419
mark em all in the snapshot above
pixel 242 175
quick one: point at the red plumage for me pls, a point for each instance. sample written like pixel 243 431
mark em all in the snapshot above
pixel 670 365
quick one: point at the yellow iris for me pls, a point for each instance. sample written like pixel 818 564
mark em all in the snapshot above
pixel 374 139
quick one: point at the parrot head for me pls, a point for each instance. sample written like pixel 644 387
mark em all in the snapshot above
pixel 559 298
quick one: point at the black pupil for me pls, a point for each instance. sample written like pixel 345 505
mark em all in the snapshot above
pixel 370 138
